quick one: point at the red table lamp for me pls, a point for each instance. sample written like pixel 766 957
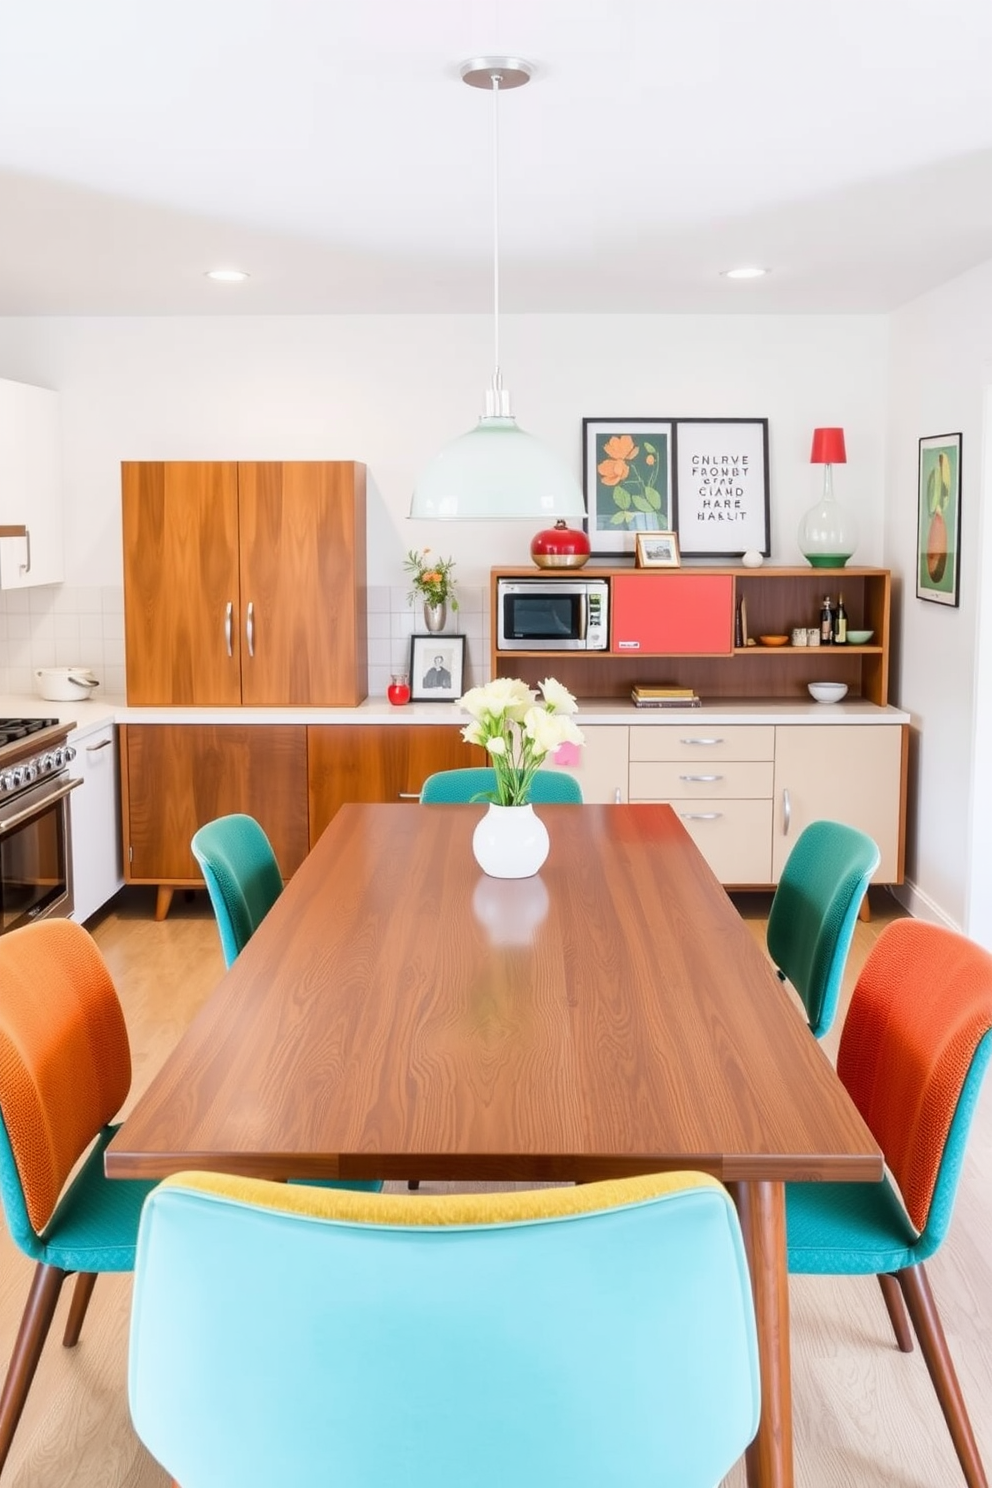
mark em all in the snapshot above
pixel 828 534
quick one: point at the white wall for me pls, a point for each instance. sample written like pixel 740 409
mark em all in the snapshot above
pixel 940 350
pixel 391 390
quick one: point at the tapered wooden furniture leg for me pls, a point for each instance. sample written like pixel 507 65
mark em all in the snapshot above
pixel 81 1294
pixel 163 899
pixel 761 1207
pixel 864 913
pixel 929 1330
pixel 31 1335
pixel 896 1309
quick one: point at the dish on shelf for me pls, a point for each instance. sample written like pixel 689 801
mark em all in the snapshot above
pixel 774 640
pixel 859 637
pixel 827 692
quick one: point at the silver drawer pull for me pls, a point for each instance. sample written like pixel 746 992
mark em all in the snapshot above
pixel 618 797
pixel 706 778
pixel 250 628
pixel 700 815
pixel 700 741
pixel 409 795
pixel 95 748
pixel 786 813
pixel 229 626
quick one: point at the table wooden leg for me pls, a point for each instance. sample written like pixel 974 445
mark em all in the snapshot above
pixel 761 1207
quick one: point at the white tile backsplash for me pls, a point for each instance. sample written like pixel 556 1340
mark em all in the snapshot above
pixel 66 625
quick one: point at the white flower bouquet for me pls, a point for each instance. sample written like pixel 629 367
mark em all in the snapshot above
pixel 517 731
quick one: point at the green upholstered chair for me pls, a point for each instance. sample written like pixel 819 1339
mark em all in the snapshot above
pixel 589 1335
pixel 65 1070
pixel 242 877
pixel 453 787
pixel 913 1054
pixel 813 914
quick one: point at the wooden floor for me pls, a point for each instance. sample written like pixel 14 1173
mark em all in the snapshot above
pixel 865 1414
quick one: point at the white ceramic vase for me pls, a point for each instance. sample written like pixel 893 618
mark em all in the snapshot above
pixel 510 842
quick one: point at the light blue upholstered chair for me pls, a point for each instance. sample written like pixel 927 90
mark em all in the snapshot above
pixel 913 1055
pixel 454 787
pixel 813 914
pixel 585 1336
pixel 242 877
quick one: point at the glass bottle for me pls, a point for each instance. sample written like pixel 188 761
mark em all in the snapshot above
pixel 827 621
pixel 840 623
pixel 828 533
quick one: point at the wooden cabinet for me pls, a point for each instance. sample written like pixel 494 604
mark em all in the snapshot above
pixel 851 774
pixel 245 583
pixel 176 777
pixel 30 487
pixel 602 765
pixel 368 762
pixel 685 613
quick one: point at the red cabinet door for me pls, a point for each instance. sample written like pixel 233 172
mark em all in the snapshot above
pixel 678 613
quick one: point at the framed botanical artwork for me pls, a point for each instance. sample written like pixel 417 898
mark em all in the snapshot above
pixel 657 550
pixel 627 479
pixel 938 525
pixel 437 663
pixel 721 487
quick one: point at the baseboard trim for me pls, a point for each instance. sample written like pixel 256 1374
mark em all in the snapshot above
pixel 921 906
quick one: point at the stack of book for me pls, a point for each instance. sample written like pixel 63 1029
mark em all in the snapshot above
pixel 664 697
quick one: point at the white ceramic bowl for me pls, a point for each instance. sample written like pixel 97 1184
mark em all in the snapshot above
pixel 827 692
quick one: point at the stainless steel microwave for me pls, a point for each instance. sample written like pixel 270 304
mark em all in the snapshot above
pixel 552 614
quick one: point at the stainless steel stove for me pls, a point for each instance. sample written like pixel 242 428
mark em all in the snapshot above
pixel 35 827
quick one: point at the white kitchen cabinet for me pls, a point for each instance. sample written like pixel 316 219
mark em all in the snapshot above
pixel 96 821
pixel 30 486
pixel 601 768
pixel 837 773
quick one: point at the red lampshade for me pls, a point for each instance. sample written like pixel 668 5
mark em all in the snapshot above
pixel 828 447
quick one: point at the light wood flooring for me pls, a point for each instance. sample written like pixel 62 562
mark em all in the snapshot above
pixel 865 1414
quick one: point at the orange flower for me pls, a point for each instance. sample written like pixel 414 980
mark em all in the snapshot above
pixel 649 459
pixel 620 449
pixel 430 578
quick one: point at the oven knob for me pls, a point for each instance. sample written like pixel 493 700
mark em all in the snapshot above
pixel 30 772
pixel 70 754
pixel 14 778
pixel 46 764
pixel 7 781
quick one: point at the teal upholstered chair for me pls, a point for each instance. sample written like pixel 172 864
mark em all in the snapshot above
pixel 452 787
pixel 242 877
pixel 913 1054
pixel 65 1070
pixel 589 1335
pixel 813 914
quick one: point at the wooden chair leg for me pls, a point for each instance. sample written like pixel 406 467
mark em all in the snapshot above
pixel 81 1294
pixel 929 1330
pixel 35 1323
pixel 896 1309
pixel 413 1184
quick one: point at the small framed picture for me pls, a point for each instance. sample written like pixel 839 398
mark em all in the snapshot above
pixel 938 530
pixel 437 663
pixel 657 550
pixel 627 479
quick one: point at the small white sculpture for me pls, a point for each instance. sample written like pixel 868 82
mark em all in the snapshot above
pixel 752 559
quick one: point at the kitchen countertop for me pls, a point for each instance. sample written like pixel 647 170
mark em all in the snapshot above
pixel 91 712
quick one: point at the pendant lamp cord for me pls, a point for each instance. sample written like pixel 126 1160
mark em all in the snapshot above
pixel 497 374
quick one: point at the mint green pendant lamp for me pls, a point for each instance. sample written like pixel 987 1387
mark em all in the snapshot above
pixel 497 472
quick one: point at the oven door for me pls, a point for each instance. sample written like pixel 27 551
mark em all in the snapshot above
pixel 36 854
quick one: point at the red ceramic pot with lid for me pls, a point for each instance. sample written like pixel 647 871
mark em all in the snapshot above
pixel 560 546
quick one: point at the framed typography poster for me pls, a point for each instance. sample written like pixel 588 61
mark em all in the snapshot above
pixel 721 487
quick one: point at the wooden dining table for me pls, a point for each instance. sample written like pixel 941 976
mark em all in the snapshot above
pixel 400 1015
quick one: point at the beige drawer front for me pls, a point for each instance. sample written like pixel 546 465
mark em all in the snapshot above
pixel 675 780
pixel 692 741
pixel 735 837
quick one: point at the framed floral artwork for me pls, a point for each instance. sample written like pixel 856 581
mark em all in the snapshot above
pixel 938 526
pixel 627 480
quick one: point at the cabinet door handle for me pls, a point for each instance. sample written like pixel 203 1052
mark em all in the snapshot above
pixel 250 627
pixel 786 813
pixel 409 795
pixel 618 797
pixel 26 565
pixel 95 748
pixel 706 778
pixel 700 815
pixel 229 627
pixel 700 741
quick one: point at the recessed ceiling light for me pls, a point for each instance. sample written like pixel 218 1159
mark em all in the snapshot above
pixel 747 272
pixel 227 276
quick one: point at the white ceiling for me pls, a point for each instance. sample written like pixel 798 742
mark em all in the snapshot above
pixel 328 147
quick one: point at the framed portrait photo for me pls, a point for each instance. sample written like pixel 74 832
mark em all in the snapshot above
pixel 657 550
pixel 721 487
pixel 627 480
pixel 938 526
pixel 437 663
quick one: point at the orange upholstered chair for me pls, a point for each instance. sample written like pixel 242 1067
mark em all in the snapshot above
pixel 65 1069
pixel 913 1055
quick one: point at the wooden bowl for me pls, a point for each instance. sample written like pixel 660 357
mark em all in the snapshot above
pixel 774 640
